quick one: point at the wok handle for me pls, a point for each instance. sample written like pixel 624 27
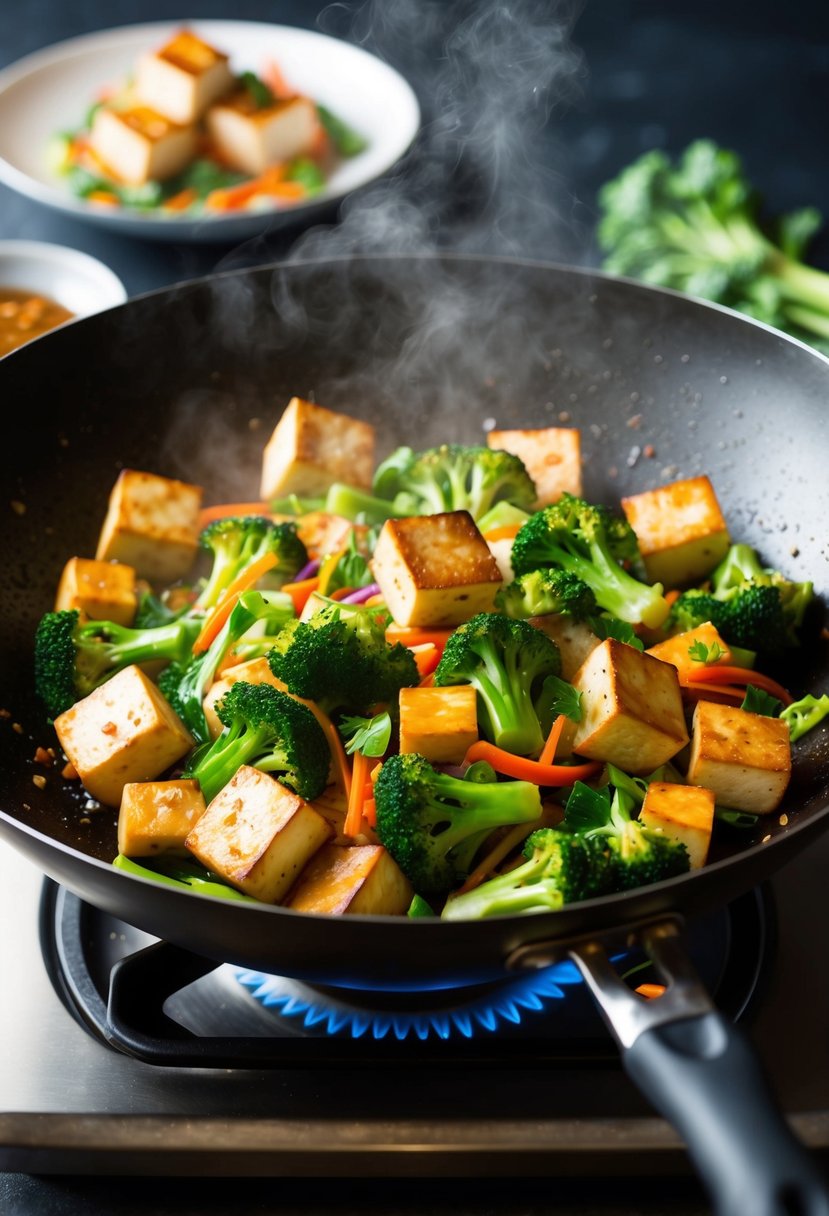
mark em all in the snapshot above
pixel 702 1075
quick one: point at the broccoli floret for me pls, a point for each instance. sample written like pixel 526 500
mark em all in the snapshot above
pixel 340 658
pixel 695 607
pixel 434 824
pixel 506 661
pixel 780 615
pixel 541 591
pixel 693 225
pixel 237 541
pixel 589 542
pixel 268 730
pixel 453 477
pixel 72 659
pixel 561 868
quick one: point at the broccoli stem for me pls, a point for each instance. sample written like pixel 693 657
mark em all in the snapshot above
pixel 241 746
pixel 357 505
pixel 511 716
pixel 126 645
pixel 516 891
pixel 615 590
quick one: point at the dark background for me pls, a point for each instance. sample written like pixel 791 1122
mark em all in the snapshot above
pixel 753 76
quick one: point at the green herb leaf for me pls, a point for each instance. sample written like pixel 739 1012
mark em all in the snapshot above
pixel 307 172
pixel 701 653
pixel 345 139
pixel 620 631
pixel 735 819
pixel 367 735
pixel 757 701
pixel 419 907
pixel 636 787
pixel 558 697
pixel 258 91
pixel 352 569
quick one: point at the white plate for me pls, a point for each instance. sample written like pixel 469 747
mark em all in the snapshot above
pixel 52 90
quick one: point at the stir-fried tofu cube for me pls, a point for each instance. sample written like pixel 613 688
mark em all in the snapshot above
pixel 157 816
pixel 676 650
pixel 258 835
pixel 435 569
pixel 152 524
pixel 140 145
pixel 631 708
pixel 311 447
pixel 744 758
pixel 250 137
pixel 440 723
pixel 685 813
pixel 123 731
pixel 103 591
pixel 254 671
pixel 681 530
pixel 322 533
pixel 551 455
pixel 183 78
pixel 574 639
pixel 362 879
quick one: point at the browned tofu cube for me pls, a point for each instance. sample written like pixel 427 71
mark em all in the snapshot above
pixel 157 816
pixel 631 709
pixel 183 78
pixel 249 137
pixel 124 731
pixel 152 524
pixel 258 835
pixel 139 145
pixel 551 455
pixel 439 723
pixel 312 447
pixel 676 650
pixel 435 569
pixel 255 671
pixel 574 639
pixel 685 813
pixel 681 530
pixel 744 758
pixel 103 591
pixel 364 879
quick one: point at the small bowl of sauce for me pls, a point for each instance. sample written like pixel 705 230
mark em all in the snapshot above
pixel 43 286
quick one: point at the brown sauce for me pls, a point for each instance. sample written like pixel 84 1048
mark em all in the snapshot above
pixel 24 315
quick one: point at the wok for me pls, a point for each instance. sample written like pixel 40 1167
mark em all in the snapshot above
pixel 189 381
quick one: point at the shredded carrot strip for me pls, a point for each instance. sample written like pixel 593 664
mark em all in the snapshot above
pixel 232 198
pixel 548 752
pixel 104 197
pixel 276 82
pixel 505 532
pixel 273 176
pixel 427 680
pixel 341 593
pixel 529 770
pixel 717 674
pixel 651 991
pixel 722 693
pixel 370 812
pixel 359 777
pixel 671 596
pixel 426 658
pixel 181 201
pixel 300 592
pixel 243 582
pixel 223 510
pixel 289 192
pixel 335 744
pixel 413 635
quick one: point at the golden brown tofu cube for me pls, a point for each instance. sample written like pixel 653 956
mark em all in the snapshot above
pixel 157 816
pixel 435 569
pixel 152 524
pixel 681 530
pixel 364 879
pixel 574 639
pixel 255 671
pixel 249 137
pixel 183 78
pixel 551 455
pixel 744 758
pixel 440 723
pixel 676 649
pixel 322 533
pixel 103 591
pixel 139 145
pixel 258 835
pixel 685 813
pixel 311 447
pixel 631 709
pixel 124 731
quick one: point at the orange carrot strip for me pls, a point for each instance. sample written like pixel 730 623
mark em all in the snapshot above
pixel 529 770
pixel 223 510
pixel 721 693
pixel 289 192
pixel 651 991
pixel 181 201
pixel 505 532
pixel 716 674
pixel 427 681
pixel 426 657
pixel 273 176
pixel 671 596
pixel 359 777
pixel 370 812
pixel 300 592
pixel 548 752
pixel 341 593
pixel 276 82
pixel 413 635
pixel 243 582
pixel 105 197
pixel 232 198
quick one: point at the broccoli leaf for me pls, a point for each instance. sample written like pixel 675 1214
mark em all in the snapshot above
pixel 367 735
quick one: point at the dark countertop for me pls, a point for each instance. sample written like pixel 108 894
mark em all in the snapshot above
pixel 635 74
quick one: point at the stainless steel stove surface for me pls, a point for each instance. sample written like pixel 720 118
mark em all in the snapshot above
pixel 265 1077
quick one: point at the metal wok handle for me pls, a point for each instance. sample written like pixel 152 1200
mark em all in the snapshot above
pixel 701 1073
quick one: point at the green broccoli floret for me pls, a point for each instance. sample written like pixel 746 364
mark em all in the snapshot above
pixel 694 607
pixel 434 824
pixel 589 542
pixel 340 658
pixel 453 477
pixel 779 616
pixel 804 715
pixel 268 730
pixel 237 541
pixel 72 659
pixel 541 591
pixel 506 662
pixel 186 683
pixel 561 868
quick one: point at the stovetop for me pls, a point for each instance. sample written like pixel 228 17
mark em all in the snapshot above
pixel 340 1098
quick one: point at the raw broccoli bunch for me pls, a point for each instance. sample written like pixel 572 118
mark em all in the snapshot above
pixel 72 658
pixel 453 477
pixel 340 658
pixel 506 661
pixel 693 225
pixel 237 542
pixel 588 541
pixel 268 730
pixel 433 824
pixel 538 592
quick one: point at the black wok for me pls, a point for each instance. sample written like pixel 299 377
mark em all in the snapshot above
pixel 189 382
